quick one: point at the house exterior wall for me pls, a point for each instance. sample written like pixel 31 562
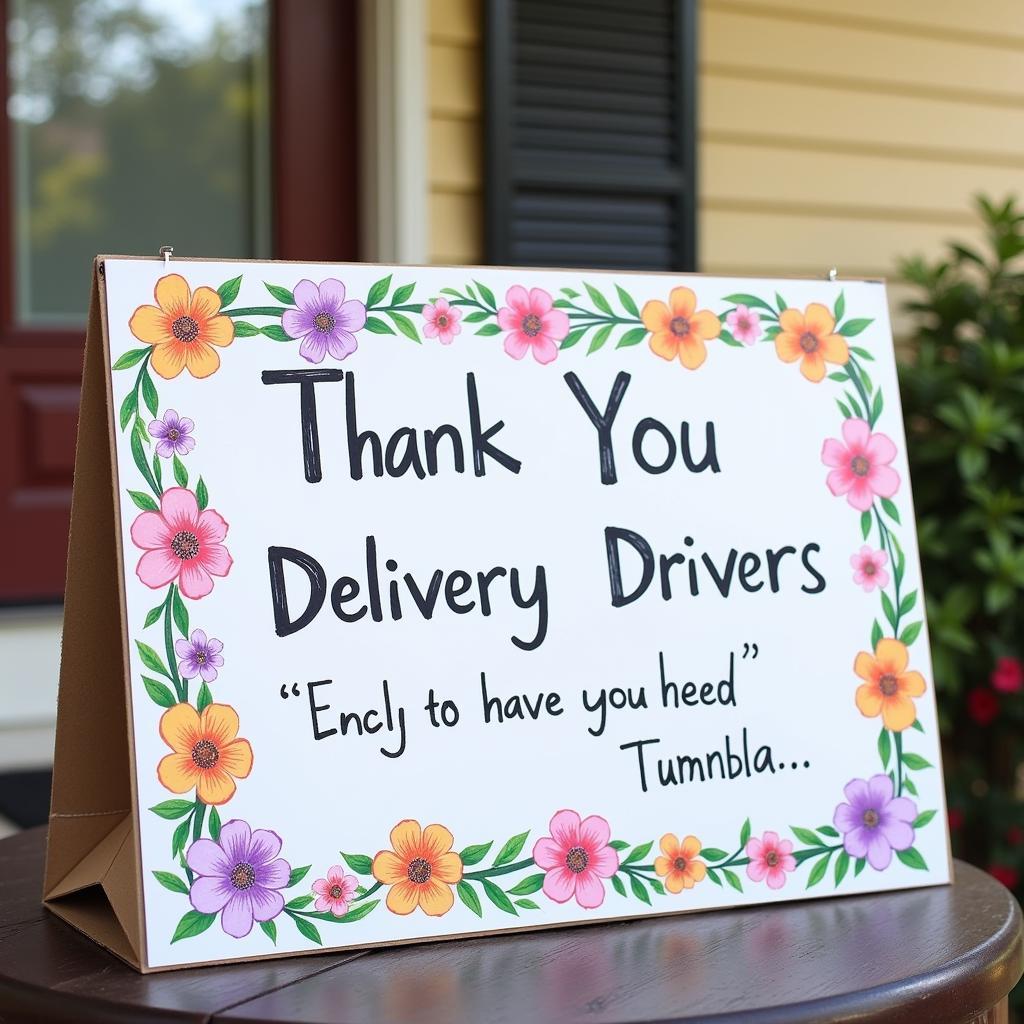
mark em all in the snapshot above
pixel 847 133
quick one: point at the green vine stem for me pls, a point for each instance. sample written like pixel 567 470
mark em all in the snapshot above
pixel 180 686
pixel 506 869
pixel 276 311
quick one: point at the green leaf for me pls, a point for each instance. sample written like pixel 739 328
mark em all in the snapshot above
pixel 470 855
pixel 859 866
pixel 529 885
pixel 712 853
pixel 281 294
pixel 818 871
pixel 865 524
pixel 908 602
pixel 158 693
pixel 601 335
pixel 152 615
pixel 863 353
pixel 244 329
pixel 158 473
pixel 510 850
pixel 638 853
pixel 300 902
pixel 806 836
pixel 842 866
pixel 733 879
pixel 477 317
pixel 469 897
pixel 572 337
pixel 619 845
pixel 923 818
pixel 656 886
pixel 876 634
pixel 598 299
pixel 633 336
pixel 527 905
pixel 572 294
pixel 276 333
pixel 149 394
pixel 884 746
pixel 618 886
pixel 638 890
pixel 180 472
pixel 202 497
pixel 151 659
pixel 713 875
pixel 839 376
pixel 270 930
pixel 828 830
pixel 911 633
pixel 405 325
pixel 915 762
pixel 489 330
pixel 128 408
pixel 497 897
pixel 228 291
pixel 917 725
pixel 180 837
pixel 403 294
pixel 297 875
pixel 844 409
pixel 307 929
pixel 726 336
pixel 486 294
pixel 171 881
pixel 889 508
pixel 359 863
pixel 377 326
pixel 180 613
pixel 170 809
pixel 745 833
pixel 912 858
pixel 876 408
pixel 213 821
pixel 840 307
pixel 627 301
pixel 192 924
pixel 130 358
pixel 854 327
pixel 358 913
pixel 145 502
pixel 742 299
pixel 909 786
pixel 378 290
pixel 142 434
pixel 890 612
pixel 204 698
pixel 780 302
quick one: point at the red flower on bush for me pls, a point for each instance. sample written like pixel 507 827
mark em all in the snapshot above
pixel 1008 675
pixel 982 705
pixel 1005 874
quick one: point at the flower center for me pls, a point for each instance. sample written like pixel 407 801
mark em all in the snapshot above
pixel 577 859
pixel 869 569
pixel 324 322
pixel 859 465
pixel 205 754
pixel 744 323
pixel 809 341
pixel 201 657
pixel 173 434
pixel 243 876
pixel 871 818
pixel 441 321
pixel 185 329
pixel 185 545
pixel 531 325
pixel 419 871
pixel 771 858
pixel 679 326
pixel 335 892
pixel 679 863
pixel 888 684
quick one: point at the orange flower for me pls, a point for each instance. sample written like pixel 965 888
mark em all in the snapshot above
pixel 888 686
pixel 420 869
pixel 680 866
pixel 206 755
pixel 183 328
pixel 809 337
pixel 677 330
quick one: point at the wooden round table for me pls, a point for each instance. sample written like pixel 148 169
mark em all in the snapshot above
pixel 929 956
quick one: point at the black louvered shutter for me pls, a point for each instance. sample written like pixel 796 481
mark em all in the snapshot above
pixel 590 133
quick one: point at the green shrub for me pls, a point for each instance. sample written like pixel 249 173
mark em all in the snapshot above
pixel 962 381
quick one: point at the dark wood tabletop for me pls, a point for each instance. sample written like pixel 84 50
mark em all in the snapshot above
pixel 930 956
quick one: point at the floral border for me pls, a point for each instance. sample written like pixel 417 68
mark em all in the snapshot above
pixel 231 871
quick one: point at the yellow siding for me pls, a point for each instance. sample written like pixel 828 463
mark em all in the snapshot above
pixel 844 133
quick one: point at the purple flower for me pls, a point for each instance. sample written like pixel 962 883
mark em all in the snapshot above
pixel 324 320
pixel 199 656
pixel 174 433
pixel 239 877
pixel 873 823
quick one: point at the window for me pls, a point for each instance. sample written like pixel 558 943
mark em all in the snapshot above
pixel 590 148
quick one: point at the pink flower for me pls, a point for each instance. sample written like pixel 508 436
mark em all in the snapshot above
pixel 181 544
pixel 533 323
pixel 744 325
pixel 442 321
pixel 335 892
pixel 862 467
pixel 770 858
pixel 1008 676
pixel 575 858
pixel 868 571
